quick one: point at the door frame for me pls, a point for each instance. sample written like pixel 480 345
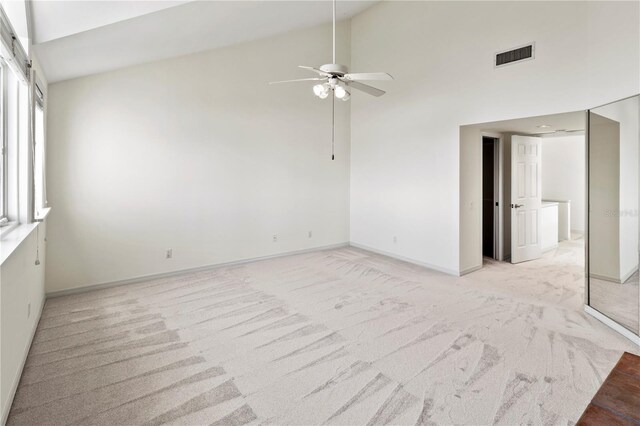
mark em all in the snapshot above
pixel 498 196
pixel 587 126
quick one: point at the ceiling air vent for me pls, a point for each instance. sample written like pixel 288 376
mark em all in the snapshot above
pixel 516 55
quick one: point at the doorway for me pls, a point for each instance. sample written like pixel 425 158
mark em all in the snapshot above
pixel 538 176
pixel 490 193
pixel 585 220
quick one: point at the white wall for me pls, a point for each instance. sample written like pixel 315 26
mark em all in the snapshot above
pixel 604 198
pixel 470 160
pixel 406 174
pixel 563 174
pixel 406 159
pixel 197 154
pixel 21 301
pixel 506 200
pixel 629 118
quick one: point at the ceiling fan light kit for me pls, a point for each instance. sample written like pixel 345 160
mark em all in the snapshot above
pixel 339 91
pixel 336 80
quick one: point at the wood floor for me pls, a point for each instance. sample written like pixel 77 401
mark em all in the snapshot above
pixel 340 336
pixel 618 399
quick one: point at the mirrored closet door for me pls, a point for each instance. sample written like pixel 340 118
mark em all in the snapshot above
pixel 613 182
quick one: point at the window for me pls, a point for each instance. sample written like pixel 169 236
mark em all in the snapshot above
pixel 21 134
pixel 14 131
pixel 3 149
pixel 39 196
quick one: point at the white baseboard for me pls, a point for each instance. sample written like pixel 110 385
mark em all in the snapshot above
pixel 143 278
pixel 470 270
pixel 405 259
pixel 18 376
pixel 612 324
pixel 629 274
pixel 623 279
pixel 604 278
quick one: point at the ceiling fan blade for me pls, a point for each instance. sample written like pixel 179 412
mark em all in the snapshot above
pixel 367 76
pixel 314 70
pixel 366 88
pixel 299 79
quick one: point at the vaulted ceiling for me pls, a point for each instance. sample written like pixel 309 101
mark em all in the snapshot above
pixel 77 38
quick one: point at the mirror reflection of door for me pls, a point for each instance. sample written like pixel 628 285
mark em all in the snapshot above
pixel 613 226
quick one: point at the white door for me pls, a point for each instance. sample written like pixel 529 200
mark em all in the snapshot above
pixel 526 198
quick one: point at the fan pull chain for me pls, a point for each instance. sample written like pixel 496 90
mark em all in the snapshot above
pixel 333 126
pixel 37 262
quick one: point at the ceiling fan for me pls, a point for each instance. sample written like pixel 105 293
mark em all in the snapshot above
pixel 335 79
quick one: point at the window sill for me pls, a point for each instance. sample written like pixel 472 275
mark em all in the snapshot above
pixel 10 241
pixel 42 214
pixel 7 227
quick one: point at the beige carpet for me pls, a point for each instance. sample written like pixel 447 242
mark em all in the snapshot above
pixel 620 302
pixel 340 337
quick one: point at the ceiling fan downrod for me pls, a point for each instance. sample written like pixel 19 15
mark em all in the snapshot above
pixel 334 32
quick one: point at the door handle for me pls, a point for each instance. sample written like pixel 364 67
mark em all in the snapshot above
pixel 516 206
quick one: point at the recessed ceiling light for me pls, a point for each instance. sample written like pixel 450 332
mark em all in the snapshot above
pixel 543 126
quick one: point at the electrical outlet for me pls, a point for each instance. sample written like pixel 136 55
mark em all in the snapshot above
pixel 28 310
pixel 275 238
pixel 395 239
pixel 169 254
pixel 310 234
